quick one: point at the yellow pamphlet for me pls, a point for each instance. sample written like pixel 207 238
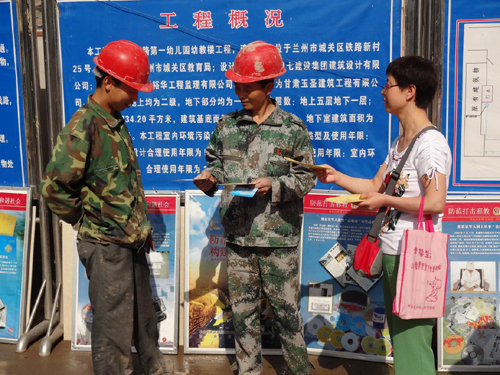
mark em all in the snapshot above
pixel 7 224
pixel 310 166
pixel 351 198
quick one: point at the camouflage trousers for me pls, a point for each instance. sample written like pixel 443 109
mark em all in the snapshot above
pixel 255 272
pixel 122 303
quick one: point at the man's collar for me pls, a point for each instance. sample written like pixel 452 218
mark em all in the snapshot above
pixel 274 119
pixel 105 115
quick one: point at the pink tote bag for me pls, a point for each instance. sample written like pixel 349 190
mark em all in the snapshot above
pixel 423 272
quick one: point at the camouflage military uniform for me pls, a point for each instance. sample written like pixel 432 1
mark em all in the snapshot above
pixel 241 151
pixel 263 233
pixel 93 178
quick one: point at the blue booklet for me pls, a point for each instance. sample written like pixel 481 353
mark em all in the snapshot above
pixel 247 191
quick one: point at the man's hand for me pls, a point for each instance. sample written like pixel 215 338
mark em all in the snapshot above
pixel 205 181
pixel 150 244
pixel 263 184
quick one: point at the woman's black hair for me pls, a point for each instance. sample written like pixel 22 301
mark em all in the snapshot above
pixel 417 71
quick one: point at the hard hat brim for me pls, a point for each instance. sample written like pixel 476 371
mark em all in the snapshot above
pixel 235 77
pixel 146 87
pixel 143 87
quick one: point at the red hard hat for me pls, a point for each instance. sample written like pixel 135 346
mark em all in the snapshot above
pixel 255 62
pixel 127 62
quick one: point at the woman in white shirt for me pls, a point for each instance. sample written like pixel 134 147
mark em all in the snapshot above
pixel 411 84
pixel 471 279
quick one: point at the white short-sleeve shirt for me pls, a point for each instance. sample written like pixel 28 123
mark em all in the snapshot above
pixel 429 155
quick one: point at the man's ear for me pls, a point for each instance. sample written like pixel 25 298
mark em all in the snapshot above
pixel 107 82
pixel 269 87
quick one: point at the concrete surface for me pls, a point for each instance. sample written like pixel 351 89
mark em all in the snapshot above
pixel 64 361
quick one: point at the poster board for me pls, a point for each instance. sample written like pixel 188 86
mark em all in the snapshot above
pixel 339 307
pixel 15 233
pixel 335 61
pixel 469 332
pixel 471 108
pixel 13 166
pixel 163 213
pixel 208 319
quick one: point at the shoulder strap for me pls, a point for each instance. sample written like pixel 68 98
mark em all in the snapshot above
pixel 392 183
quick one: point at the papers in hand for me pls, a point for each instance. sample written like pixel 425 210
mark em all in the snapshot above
pixel 310 166
pixel 247 191
pixel 351 198
pixel 224 184
pixel 245 184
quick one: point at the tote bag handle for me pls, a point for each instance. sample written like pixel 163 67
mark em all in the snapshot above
pixel 429 226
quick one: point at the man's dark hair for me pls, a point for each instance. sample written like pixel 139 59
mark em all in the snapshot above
pixel 101 74
pixel 264 82
pixel 417 71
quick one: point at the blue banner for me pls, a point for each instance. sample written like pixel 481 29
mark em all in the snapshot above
pixel 13 170
pixel 335 60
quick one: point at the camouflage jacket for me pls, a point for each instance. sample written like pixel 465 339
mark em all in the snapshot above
pixel 93 178
pixel 241 151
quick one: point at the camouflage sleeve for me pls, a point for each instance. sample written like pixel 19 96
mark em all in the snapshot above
pixel 213 155
pixel 300 180
pixel 65 171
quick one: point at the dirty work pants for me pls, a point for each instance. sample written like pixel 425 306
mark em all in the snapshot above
pixel 122 303
pixel 275 272
pixel 412 338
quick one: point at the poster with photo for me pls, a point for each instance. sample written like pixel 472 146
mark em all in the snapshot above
pixel 15 208
pixel 208 318
pixel 343 313
pixel 163 213
pixel 469 334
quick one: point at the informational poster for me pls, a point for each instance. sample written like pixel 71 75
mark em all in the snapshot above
pixel 13 170
pixel 83 316
pixel 335 60
pixel 343 313
pixel 469 333
pixel 208 316
pixel 471 109
pixel 15 208
pixel 163 213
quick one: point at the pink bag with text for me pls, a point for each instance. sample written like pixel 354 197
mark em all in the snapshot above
pixel 423 272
